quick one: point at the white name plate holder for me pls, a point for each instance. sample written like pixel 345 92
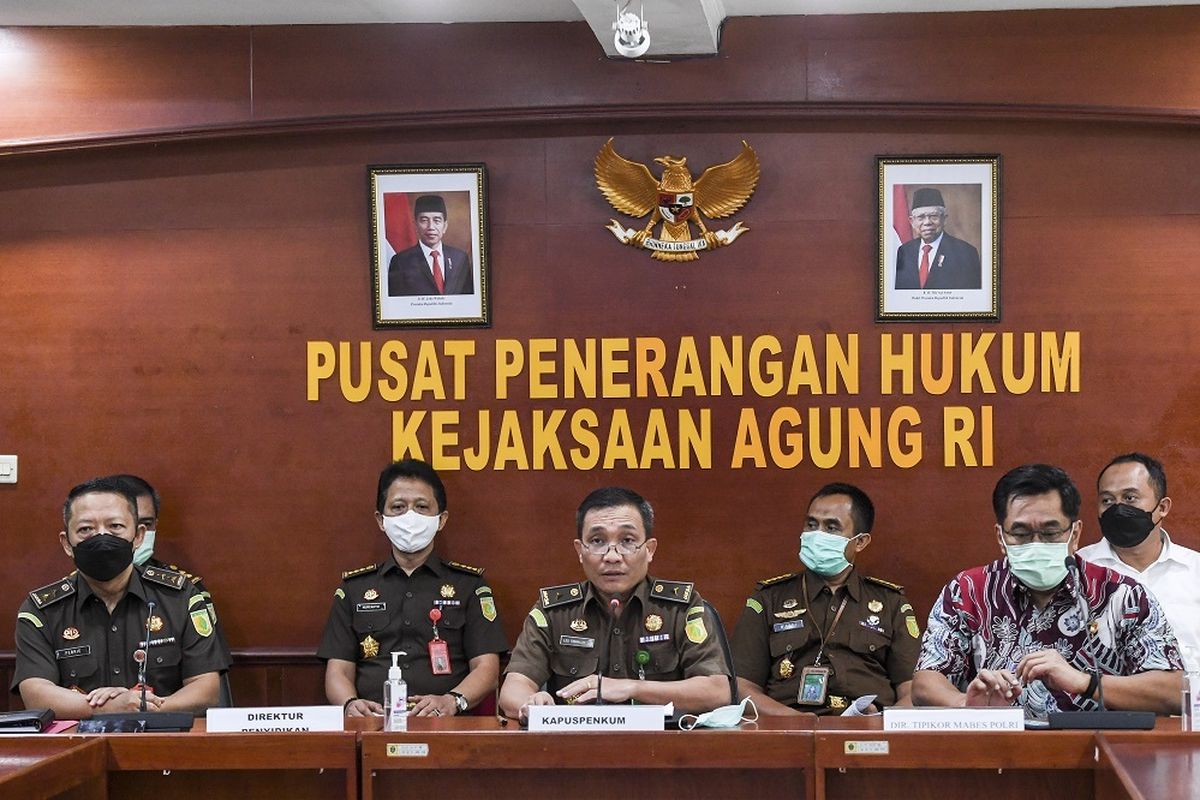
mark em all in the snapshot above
pixel 599 718
pixel 954 719
pixel 275 719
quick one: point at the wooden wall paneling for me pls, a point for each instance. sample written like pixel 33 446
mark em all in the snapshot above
pixel 92 81
pixel 114 85
pixel 241 370
pixel 1036 58
pixel 416 69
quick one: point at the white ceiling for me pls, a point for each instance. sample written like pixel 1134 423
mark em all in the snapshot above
pixel 285 12
pixel 677 27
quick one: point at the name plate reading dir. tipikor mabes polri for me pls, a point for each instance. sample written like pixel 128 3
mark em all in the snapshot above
pixel 953 719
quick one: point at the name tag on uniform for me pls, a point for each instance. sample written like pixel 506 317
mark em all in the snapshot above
pixel 73 652
pixel 447 602
pixel 658 637
pixel 157 642
pixel 371 607
pixel 780 627
pixel 576 641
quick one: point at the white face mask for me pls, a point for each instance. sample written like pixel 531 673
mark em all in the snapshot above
pixel 411 532
pixel 723 717
pixel 142 553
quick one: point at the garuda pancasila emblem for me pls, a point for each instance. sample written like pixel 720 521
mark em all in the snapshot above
pixel 676 201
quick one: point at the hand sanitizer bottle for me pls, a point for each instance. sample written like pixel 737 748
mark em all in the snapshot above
pixel 395 697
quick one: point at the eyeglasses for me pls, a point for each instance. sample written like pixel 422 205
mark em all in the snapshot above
pixel 599 547
pixel 1050 535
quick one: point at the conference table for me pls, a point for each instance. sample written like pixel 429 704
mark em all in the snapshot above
pixel 802 757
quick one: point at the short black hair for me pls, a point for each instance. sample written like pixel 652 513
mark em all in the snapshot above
pixel 1158 476
pixel 1032 479
pixel 410 468
pixel 861 507
pixel 139 487
pixel 106 485
pixel 611 497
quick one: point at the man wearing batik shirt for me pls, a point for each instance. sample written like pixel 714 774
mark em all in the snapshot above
pixel 1014 632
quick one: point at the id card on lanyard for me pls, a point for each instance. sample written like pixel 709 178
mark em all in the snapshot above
pixel 439 651
pixel 814 680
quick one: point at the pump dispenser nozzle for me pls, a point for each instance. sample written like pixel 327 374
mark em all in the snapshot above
pixel 395 696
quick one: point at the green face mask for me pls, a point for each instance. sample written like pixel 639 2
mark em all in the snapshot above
pixel 1039 565
pixel 723 717
pixel 824 553
pixel 143 551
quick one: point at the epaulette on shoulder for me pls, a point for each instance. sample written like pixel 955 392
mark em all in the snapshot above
pixel 191 577
pixel 675 591
pixel 51 593
pixel 895 587
pixel 350 573
pixel 164 577
pixel 787 576
pixel 552 596
pixel 464 567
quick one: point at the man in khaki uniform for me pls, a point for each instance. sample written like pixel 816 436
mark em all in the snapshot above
pixel 654 641
pixel 817 640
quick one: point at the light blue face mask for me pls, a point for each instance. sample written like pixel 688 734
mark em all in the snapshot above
pixel 1039 565
pixel 142 553
pixel 723 717
pixel 824 553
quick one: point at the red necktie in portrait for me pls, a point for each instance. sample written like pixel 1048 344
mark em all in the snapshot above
pixel 440 282
pixel 925 248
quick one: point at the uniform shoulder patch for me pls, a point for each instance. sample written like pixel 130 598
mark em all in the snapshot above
pixel 51 593
pixel 787 576
pixel 895 587
pixel 464 567
pixel 164 577
pixel 350 573
pixel 675 591
pixel 551 596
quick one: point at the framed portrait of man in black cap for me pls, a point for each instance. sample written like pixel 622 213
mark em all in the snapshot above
pixel 429 254
pixel 938 236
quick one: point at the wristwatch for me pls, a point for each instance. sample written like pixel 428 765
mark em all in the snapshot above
pixel 460 702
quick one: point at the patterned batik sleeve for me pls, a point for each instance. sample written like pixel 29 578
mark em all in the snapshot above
pixel 1147 641
pixel 945 647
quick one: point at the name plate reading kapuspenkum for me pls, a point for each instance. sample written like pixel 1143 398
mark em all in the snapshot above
pixel 275 719
pixel 599 718
pixel 953 719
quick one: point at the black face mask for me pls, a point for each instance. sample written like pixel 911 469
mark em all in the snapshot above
pixel 103 557
pixel 1126 526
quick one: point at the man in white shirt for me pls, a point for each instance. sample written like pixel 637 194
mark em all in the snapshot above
pixel 1133 503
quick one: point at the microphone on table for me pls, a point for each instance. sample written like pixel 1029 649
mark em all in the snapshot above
pixel 143 720
pixel 145 654
pixel 614 607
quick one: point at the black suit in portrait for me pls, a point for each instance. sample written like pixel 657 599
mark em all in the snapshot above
pixel 955 265
pixel 409 273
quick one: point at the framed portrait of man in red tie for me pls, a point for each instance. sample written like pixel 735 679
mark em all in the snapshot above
pixel 938 237
pixel 429 253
